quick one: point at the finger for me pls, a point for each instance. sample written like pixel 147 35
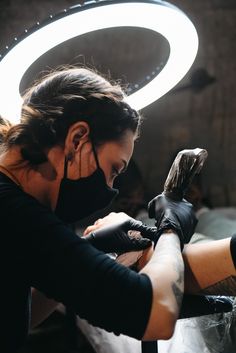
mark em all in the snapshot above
pixel 98 221
pixel 149 232
pixel 132 224
pixel 91 229
pixel 134 234
pixel 140 244
pixel 145 231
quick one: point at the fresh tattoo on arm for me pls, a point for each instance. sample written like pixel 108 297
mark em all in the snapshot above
pixel 178 285
pixel 178 267
pixel 168 252
pixel 178 293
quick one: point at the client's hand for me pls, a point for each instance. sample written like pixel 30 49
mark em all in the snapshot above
pixel 176 215
pixel 114 234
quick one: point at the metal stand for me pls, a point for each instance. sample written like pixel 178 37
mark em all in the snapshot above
pixel 150 347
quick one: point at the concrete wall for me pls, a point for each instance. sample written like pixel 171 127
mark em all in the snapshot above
pixel 181 119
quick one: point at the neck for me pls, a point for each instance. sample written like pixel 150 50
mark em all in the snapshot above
pixel 6 171
pixel 10 162
pixel 38 181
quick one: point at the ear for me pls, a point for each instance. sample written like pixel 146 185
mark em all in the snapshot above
pixel 78 133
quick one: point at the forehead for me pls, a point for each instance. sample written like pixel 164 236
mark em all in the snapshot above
pixel 122 149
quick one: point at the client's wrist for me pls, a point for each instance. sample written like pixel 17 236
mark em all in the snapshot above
pixel 172 232
pixel 169 231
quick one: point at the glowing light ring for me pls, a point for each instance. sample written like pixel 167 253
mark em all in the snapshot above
pixel 158 16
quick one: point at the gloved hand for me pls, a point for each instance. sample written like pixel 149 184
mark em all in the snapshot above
pixel 114 237
pixel 176 215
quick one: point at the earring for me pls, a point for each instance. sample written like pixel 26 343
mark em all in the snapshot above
pixel 69 157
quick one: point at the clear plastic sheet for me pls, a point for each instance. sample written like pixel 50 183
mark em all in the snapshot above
pixel 214 333
pixel 186 164
pixel 205 334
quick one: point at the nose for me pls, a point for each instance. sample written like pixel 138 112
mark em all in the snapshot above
pixel 110 183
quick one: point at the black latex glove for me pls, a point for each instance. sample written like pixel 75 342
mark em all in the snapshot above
pixel 199 305
pixel 176 215
pixel 115 238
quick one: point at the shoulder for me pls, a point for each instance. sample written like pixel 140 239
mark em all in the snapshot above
pixel 19 208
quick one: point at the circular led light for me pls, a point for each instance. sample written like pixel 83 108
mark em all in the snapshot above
pixel 158 16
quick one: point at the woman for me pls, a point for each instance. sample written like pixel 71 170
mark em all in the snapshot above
pixel 57 166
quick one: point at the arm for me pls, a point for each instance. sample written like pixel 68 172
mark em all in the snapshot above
pixel 41 307
pixel 209 268
pixel 69 270
pixel 166 272
pixel 167 290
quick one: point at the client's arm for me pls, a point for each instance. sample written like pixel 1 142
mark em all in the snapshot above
pixel 167 286
pixel 209 268
pixel 166 272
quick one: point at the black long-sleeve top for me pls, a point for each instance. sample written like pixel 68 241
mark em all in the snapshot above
pixel 38 250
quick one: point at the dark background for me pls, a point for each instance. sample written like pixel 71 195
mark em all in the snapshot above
pixel 199 112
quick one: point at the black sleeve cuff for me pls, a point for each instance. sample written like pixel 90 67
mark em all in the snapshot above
pixel 233 249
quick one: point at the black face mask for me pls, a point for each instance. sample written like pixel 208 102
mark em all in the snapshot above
pixel 81 198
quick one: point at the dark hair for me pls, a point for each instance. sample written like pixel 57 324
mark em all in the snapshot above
pixel 5 125
pixel 62 98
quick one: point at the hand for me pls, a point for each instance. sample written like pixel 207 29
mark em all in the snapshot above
pixel 114 234
pixel 126 221
pixel 176 215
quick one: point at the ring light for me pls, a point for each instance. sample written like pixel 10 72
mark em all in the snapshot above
pixel 158 16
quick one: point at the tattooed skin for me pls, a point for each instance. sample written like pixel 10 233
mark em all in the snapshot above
pixel 171 246
pixel 178 294
pixel 179 269
pixel 225 287
pixel 176 286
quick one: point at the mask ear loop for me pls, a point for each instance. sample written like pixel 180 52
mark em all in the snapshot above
pixel 80 163
pixel 67 159
pixel 65 167
pixel 95 156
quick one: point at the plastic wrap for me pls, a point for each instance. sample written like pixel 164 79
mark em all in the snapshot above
pixel 186 164
pixel 205 334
